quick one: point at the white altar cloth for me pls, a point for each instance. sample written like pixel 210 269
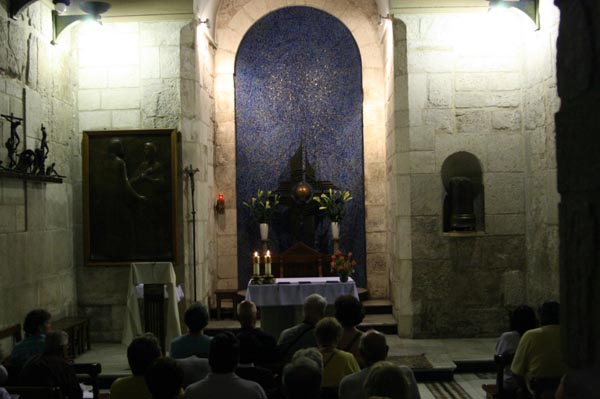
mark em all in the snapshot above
pixel 150 273
pixel 292 292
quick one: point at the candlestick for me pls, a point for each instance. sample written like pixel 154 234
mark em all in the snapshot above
pixel 256 264
pixel 268 263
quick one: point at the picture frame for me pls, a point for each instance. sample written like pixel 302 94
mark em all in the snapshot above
pixel 130 196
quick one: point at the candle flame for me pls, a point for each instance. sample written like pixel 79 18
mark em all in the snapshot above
pixel 255 253
pixel 268 253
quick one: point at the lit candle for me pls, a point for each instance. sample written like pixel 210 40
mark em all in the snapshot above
pixel 268 263
pixel 256 264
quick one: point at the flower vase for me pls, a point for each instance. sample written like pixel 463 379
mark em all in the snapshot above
pixel 335 230
pixel 264 231
pixel 343 277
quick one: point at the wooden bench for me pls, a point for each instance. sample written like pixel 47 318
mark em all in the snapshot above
pixel 78 329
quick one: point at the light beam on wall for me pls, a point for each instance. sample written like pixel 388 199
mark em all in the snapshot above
pixel 529 7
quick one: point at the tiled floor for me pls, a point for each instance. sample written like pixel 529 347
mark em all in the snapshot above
pixel 440 352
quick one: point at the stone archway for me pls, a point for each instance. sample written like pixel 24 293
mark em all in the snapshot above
pixel 362 21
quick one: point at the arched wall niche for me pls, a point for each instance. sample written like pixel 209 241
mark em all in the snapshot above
pixel 232 23
pixel 463 209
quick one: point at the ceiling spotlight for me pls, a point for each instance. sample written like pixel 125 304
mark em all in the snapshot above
pixel 60 6
pixel 93 9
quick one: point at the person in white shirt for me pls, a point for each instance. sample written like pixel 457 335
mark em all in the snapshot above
pixel 222 382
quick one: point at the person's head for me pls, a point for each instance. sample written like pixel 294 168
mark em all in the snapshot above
pixel 150 149
pixel 302 379
pixel 310 353
pixel 373 347
pixel 349 311
pixel 55 343
pixel 523 319
pixel 37 321
pixel 387 380
pixel 196 318
pixel 246 312
pixel 115 147
pixel 224 353
pixel 141 352
pixel 550 313
pixel 328 332
pixel 248 347
pixel 314 308
pixel 164 379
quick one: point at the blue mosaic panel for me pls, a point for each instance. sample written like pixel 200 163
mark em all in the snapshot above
pixel 298 79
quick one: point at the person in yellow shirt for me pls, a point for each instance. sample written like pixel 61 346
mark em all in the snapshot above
pixel 141 352
pixel 336 363
pixel 538 354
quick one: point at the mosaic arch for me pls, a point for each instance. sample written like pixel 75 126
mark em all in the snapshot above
pixel 298 79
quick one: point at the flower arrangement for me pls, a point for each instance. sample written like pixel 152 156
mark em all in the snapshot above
pixel 263 205
pixel 342 264
pixel 333 204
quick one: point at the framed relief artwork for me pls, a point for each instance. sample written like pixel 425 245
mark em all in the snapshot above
pixel 130 196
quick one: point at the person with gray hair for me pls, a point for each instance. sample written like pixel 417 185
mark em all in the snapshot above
pixel 51 368
pixel 310 353
pixel 373 348
pixel 302 335
pixel 387 380
pixel 302 379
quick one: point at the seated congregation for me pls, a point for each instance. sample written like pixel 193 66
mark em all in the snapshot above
pixel 321 357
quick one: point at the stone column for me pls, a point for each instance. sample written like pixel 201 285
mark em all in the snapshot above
pixel 578 158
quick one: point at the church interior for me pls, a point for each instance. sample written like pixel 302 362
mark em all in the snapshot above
pixel 463 130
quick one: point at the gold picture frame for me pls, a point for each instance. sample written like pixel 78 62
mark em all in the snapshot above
pixel 130 196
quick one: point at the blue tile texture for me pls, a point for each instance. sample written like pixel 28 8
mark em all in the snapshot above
pixel 298 80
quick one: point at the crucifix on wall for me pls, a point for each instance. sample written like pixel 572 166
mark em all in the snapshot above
pixel 297 193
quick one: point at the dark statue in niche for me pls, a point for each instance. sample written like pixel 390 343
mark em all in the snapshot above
pixel 296 195
pixel 463 202
pixel 460 197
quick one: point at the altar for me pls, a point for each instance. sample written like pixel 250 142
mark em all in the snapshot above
pixel 281 303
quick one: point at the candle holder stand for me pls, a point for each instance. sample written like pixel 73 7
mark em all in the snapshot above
pixel 268 279
pixel 256 280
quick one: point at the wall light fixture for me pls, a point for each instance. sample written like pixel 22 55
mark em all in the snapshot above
pixel 93 9
pixel 205 22
pixel 220 205
pixel 529 7
pixel 60 6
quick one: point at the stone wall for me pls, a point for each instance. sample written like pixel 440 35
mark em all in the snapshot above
pixel 361 18
pixel 540 104
pixel 37 267
pixel 197 129
pixel 129 77
pixel 465 91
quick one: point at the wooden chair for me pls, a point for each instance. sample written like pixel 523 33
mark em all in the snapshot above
pixel 300 260
pixel 497 391
pixel 222 294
